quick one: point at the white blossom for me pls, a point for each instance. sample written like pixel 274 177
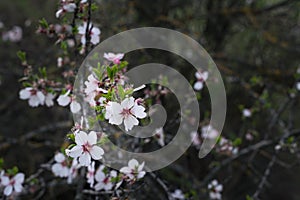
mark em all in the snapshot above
pixel 298 86
pixel 65 99
pixel 134 169
pixel 66 7
pixel 159 135
pixel 85 148
pixel 115 58
pixel 14 184
pixel 215 190
pixel 73 171
pixel 13 35
pixel 177 194
pixel 128 112
pixel 34 96
pixel 49 99
pixel 90 175
pixel 94 33
pixel 103 181
pixel 195 139
pixel 201 78
pixel 60 168
pixel 209 132
pixel 247 112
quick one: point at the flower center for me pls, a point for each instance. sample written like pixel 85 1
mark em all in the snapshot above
pixel 86 147
pixel 33 92
pixel 126 112
pixel 106 180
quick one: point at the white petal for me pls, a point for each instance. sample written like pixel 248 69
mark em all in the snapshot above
pixel 85 159
pixel 138 111
pixel 95 39
pixel 75 107
pixel 63 100
pixel 8 190
pixel 56 169
pixel 25 93
pixel 59 13
pixel 125 170
pixel 96 152
pixel 96 31
pixel 129 122
pixel 59 157
pixel 127 103
pixel 4 180
pixel 198 85
pixel 108 186
pixel 81 138
pixel 41 96
pixel 49 99
pixel 75 151
pixel 141 174
pixel 133 163
pixel 18 187
pixel 34 101
pixel 92 138
pixel 83 40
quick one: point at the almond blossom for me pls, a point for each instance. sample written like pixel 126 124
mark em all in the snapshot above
pixel 201 78
pixel 90 175
pixel 177 194
pixel 13 35
pixel 134 169
pixel 247 112
pixel 159 135
pixel 34 96
pixel 115 58
pixel 92 90
pixel 94 33
pixel 65 99
pixel 60 168
pixel 215 190
pixel 14 184
pixel 67 6
pixel 128 111
pixel 73 171
pixel 85 148
pixel 49 99
pixel 209 132
pixel 103 181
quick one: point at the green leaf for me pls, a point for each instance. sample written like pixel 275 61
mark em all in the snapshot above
pixel 237 142
pixel 13 171
pixel 22 56
pixel 121 92
pixel 43 23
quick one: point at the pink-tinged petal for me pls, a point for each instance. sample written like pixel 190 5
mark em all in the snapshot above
pixel 138 111
pixel 99 186
pixel 125 170
pixel 63 100
pixel 96 31
pixel 95 39
pixel 141 174
pixel 41 96
pixel 116 108
pixel 133 163
pixel 108 186
pixel 75 151
pixel 18 187
pixel 59 13
pixel 56 169
pixel 8 190
pixel 25 93
pixel 49 99
pixel 92 138
pixel 198 75
pixel 119 56
pixel 85 159
pixel 127 103
pixel 59 157
pixel 19 177
pixel 129 122
pixel 116 119
pixel 75 107
pixel 96 152
pixel 140 168
pixel 83 40
pixel 81 138
pixel 205 75
pixel 4 180
pixel 198 85
pixel 99 176
pixel 34 101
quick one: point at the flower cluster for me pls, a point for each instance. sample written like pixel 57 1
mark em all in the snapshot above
pixel 13 35
pixel 12 184
pixel 201 78
pixel 215 190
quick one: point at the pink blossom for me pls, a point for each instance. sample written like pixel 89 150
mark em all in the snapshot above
pixel 115 58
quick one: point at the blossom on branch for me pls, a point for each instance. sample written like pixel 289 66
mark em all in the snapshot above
pixel 34 96
pixel 93 33
pixel 134 170
pixel 128 112
pixel 115 58
pixel 86 148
